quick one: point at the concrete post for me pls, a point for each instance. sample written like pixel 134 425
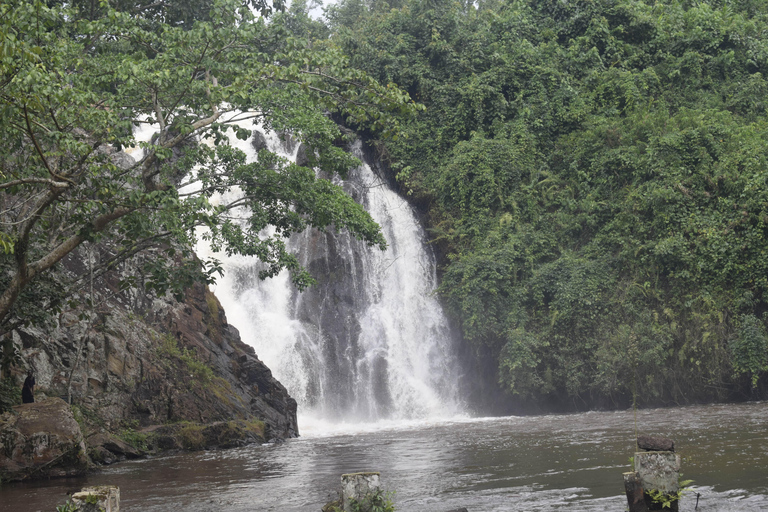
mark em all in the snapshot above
pixel 102 498
pixel 659 472
pixel 358 486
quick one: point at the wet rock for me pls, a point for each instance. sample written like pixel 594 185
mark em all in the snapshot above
pixel 122 160
pixel 258 141
pixel 200 436
pixel 289 142
pixel 301 156
pixel 41 440
pixel 117 448
pixel 145 360
pixel 102 456
pixel 655 444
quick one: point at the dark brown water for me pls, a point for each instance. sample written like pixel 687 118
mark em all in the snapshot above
pixel 542 463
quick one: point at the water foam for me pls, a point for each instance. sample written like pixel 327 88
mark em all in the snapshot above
pixel 396 361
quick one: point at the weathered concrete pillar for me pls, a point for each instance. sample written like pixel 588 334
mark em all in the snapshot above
pixel 656 475
pixel 101 498
pixel 358 486
pixel 659 472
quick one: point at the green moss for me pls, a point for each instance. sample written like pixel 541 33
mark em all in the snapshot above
pixel 79 418
pixel 201 371
pixel 191 436
pixel 252 426
pixel 138 440
pixel 168 347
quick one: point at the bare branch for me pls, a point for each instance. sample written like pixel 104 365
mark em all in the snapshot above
pixel 41 181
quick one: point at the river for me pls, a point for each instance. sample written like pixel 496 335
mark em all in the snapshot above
pixel 532 463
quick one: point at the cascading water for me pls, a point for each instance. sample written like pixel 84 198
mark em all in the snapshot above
pixel 369 341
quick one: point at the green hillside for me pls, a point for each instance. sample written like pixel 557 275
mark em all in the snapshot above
pixel 594 177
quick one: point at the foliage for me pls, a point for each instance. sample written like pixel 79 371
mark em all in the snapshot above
pixel 138 440
pixel 666 499
pixel 749 349
pixel 191 436
pixel 594 176
pixel 68 506
pixel 201 372
pixel 377 501
pixel 76 79
pixel 10 394
pixel 10 355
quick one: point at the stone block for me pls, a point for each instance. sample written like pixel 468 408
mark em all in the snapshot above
pixel 658 471
pixel 358 486
pixel 102 498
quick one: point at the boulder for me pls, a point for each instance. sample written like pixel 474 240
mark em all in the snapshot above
pixel 41 440
pixel 258 141
pixel 106 449
pixel 655 444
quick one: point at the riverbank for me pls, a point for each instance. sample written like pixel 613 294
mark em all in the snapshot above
pixel 48 439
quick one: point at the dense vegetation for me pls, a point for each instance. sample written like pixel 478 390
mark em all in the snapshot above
pixel 594 173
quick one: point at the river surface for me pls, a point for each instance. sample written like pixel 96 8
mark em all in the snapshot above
pixel 533 463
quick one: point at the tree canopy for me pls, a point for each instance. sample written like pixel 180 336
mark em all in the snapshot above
pixel 595 178
pixel 76 79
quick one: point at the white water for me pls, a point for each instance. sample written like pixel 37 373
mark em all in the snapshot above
pixel 385 352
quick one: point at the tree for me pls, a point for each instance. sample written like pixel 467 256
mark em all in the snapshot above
pixel 75 84
pixel 594 177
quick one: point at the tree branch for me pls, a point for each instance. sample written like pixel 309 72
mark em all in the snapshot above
pixel 42 181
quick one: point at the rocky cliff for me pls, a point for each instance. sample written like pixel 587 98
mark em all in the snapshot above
pixel 149 373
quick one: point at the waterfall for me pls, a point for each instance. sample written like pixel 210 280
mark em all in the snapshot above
pixel 369 341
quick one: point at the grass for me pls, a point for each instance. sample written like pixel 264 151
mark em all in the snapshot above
pixel 138 440
pixel 197 368
pixel 191 436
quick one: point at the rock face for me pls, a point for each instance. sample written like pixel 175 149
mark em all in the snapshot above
pixel 142 361
pixel 41 440
pixel 175 361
